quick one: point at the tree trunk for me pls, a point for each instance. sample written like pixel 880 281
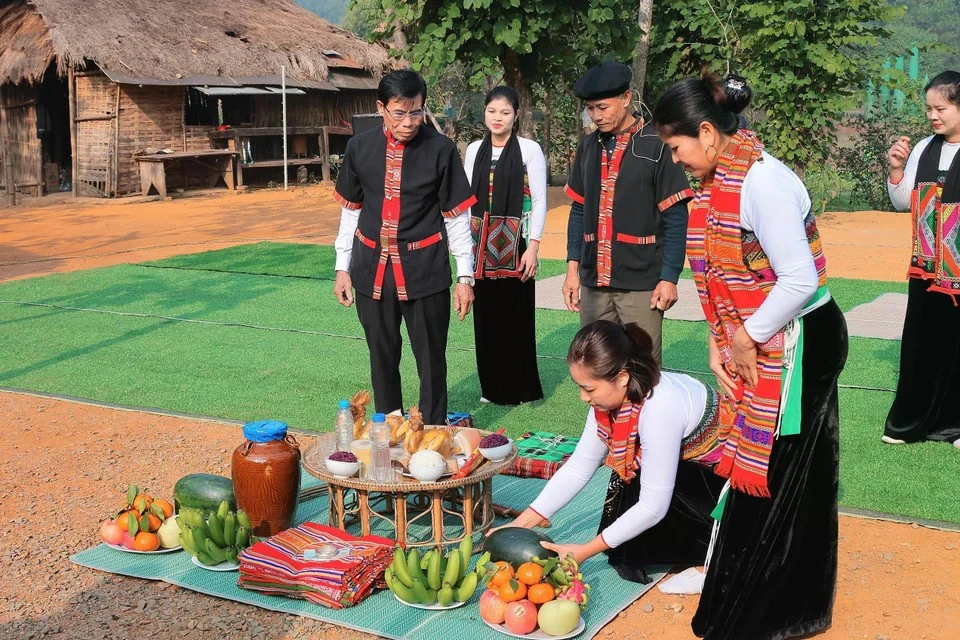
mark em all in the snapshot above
pixel 547 132
pixel 513 77
pixel 642 51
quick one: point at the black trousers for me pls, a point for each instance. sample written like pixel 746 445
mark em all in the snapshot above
pixel 774 568
pixel 428 321
pixel 504 324
pixel 927 404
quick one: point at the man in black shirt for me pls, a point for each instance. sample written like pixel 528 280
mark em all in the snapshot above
pixel 626 236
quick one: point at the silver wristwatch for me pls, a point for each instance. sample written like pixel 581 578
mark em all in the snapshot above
pixel 468 280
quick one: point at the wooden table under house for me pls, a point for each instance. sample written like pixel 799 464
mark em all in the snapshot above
pixel 218 163
pixel 453 509
pixel 249 143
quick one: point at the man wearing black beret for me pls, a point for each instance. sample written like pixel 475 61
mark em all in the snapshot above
pixel 626 237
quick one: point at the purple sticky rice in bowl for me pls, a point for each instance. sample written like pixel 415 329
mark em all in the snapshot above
pixel 493 440
pixel 343 456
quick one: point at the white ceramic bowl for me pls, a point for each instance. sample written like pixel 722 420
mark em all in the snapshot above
pixel 496 454
pixel 428 474
pixel 342 469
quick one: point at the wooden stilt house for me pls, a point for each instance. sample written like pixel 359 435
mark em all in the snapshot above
pixel 88 86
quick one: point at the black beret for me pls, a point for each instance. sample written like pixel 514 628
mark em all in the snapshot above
pixel 606 80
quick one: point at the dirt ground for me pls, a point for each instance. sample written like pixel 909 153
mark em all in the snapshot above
pixel 65 466
pixel 87 233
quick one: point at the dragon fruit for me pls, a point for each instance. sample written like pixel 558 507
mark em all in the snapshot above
pixel 577 591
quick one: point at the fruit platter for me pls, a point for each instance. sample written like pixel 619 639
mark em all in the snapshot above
pixel 529 591
pixel 143 525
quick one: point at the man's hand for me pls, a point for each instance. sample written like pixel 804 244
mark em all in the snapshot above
pixel 664 296
pixel 343 288
pixel 462 299
pixel 571 287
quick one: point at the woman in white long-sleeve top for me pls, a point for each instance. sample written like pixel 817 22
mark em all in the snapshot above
pixel 777 345
pixel 658 434
pixel 928 183
pixel 508 175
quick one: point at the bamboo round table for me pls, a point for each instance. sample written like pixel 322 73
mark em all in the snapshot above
pixel 410 501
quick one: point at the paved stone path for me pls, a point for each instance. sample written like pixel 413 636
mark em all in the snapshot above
pixel 880 318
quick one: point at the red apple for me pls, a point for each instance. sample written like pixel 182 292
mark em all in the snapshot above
pixel 492 607
pixel 521 617
pixel 126 540
pixel 111 533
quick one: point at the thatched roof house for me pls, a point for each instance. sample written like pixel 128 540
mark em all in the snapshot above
pixel 92 83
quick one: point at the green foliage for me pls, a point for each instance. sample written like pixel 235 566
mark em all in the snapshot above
pixel 543 41
pixel 363 17
pixel 864 161
pixel 930 25
pixel 804 59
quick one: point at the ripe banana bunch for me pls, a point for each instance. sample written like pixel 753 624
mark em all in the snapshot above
pixel 434 578
pixel 219 538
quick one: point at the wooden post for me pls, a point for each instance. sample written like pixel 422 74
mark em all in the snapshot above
pixel 114 175
pixel 547 132
pixel 283 89
pixel 8 173
pixel 74 152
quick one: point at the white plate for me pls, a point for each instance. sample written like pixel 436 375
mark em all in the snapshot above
pixel 432 607
pixel 125 550
pixel 537 634
pixel 223 566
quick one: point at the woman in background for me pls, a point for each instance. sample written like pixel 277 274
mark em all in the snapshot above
pixel 928 183
pixel 509 178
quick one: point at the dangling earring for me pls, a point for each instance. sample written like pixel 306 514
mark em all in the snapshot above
pixel 716 152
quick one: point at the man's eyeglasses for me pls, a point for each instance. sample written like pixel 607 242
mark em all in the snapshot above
pixel 400 116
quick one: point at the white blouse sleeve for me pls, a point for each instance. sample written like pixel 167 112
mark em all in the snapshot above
pixel 661 437
pixel 469 158
pixel 537 176
pixel 901 193
pixel 575 473
pixel 774 205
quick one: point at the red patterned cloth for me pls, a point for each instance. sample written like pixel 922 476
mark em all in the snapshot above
pixel 729 270
pixel 276 566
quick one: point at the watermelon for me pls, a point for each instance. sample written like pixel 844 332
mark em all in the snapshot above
pixel 516 545
pixel 203 491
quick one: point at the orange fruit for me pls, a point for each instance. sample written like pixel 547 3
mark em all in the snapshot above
pixel 511 591
pixel 146 542
pixel 504 574
pixel 529 573
pixel 166 506
pixel 155 522
pixel 540 593
pixel 122 518
pixel 142 502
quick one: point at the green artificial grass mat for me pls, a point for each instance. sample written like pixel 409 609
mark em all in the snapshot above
pixel 207 335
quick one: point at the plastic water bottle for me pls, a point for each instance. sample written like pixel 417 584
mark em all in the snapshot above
pixel 344 426
pixel 380 467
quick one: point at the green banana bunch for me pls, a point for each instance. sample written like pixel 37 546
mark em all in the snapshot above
pixel 433 577
pixel 215 527
pixel 230 529
pixel 223 510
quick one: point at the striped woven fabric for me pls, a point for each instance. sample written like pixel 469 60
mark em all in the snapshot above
pixel 609 172
pixel 621 435
pixel 733 282
pixel 389 248
pixel 276 566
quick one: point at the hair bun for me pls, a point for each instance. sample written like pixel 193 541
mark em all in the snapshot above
pixel 738 93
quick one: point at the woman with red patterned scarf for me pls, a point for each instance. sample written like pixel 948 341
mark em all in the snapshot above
pixel 755 254
pixel 658 432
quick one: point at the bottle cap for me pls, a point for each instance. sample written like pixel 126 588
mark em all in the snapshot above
pixel 379 417
pixel 344 404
